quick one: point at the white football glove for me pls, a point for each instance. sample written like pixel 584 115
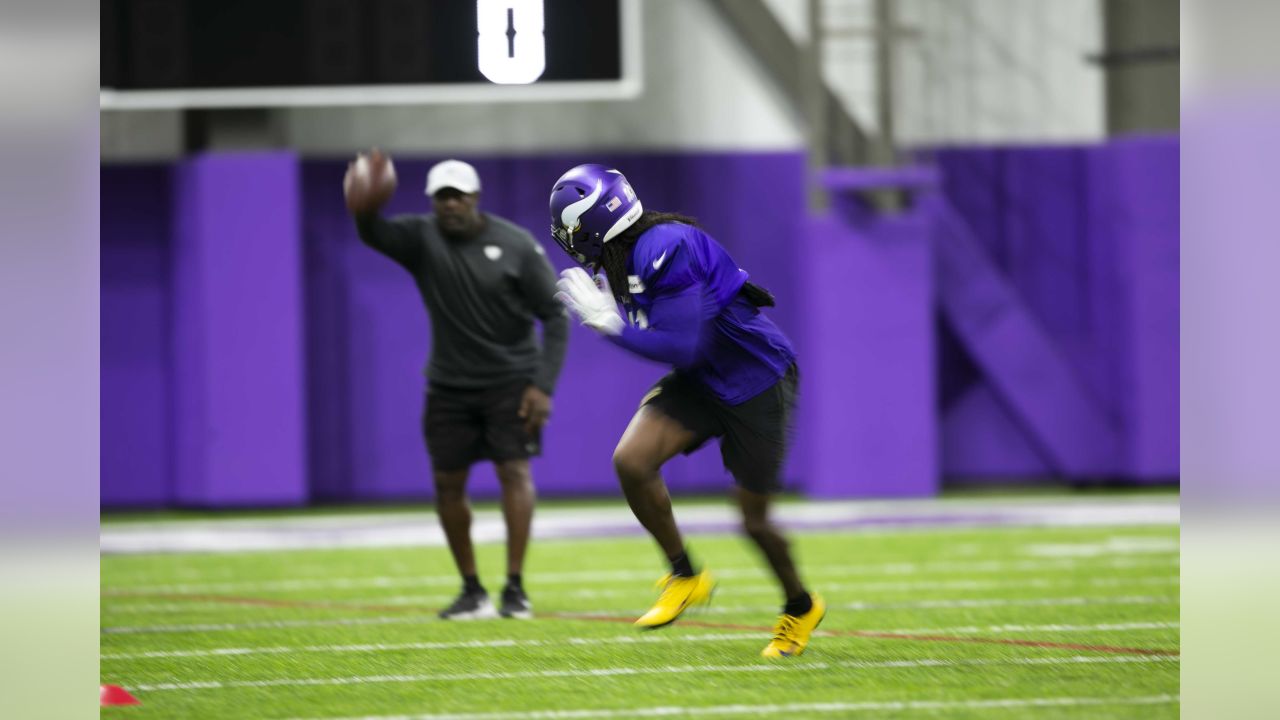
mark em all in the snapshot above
pixel 591 301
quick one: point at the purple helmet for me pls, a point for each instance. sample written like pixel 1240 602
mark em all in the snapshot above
pixel 590 205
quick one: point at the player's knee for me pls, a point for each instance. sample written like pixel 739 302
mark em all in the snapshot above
pixel 450 489
pixel 447 495
pixel 631 466
pixel 761 530
pixel 514 474
pixel 516 483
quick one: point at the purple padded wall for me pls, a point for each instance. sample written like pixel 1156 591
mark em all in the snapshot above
pixel 1088 238
pixel 868 421
pixel 1021 360
pixel 1136 212
pixel 238 364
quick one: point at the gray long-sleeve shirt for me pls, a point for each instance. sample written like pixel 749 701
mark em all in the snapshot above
pixel 482 294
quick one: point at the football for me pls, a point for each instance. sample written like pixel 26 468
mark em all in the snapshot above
pixel 369 183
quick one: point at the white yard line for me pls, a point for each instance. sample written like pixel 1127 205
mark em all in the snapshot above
pixel 714 610
pixel 669 669
pixel 423 529
pixel 789 708
pixel 824 587
pixel 946 604
pixel 267 625
pixel 1115 545
pixel 985 629
pixel 124 605
pixel 617 640
pixel 473 644
pixel 586 577
pixel 1007 602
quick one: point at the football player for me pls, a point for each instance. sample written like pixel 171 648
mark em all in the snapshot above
pixel 734 377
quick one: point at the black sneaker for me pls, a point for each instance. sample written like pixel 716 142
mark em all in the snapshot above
pixel 470 606
pixel 515 604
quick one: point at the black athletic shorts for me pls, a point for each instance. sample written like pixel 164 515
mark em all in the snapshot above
pixel 754 435
pixel 463 426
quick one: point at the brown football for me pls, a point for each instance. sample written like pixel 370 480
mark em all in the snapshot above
pixel 369 183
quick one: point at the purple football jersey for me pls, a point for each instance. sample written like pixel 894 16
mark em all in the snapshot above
pixel 686 309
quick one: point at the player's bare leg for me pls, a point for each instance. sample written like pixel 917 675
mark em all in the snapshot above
pixel 650 440
pixel 518 497
pixel 455 517
pixel 803 611
pixel 773 545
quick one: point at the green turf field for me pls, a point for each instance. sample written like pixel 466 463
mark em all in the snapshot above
pixel 958 623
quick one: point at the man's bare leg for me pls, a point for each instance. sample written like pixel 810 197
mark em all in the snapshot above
pixel 455 518
pixel 650 440
pixel 518 497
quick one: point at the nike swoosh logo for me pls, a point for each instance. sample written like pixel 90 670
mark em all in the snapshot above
pixel 658 263
pixel 569 218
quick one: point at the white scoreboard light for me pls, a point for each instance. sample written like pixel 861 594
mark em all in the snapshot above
pixel 158 54
pixel 516 59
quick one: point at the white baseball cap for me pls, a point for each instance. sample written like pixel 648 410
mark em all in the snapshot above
pixel 452 174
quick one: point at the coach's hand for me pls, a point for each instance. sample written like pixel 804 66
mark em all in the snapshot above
pixel 593 305
pixel 535 408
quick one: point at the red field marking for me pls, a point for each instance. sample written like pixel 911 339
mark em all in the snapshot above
pixel 1118 649
pixel 326 605
pixel 110 695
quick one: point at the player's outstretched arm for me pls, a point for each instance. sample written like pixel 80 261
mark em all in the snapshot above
pixel 675 333
pixel 676 328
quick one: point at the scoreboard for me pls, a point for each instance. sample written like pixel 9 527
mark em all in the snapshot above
pixel 263 53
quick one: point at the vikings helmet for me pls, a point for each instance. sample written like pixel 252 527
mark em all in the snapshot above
pixel 590 205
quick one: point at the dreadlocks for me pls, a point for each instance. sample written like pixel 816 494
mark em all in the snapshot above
pixel 613 258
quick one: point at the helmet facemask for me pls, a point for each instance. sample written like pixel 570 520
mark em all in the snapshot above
pixel 577 244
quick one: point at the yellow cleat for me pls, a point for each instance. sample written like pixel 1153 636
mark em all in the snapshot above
pixel 791 634
pixel 678 595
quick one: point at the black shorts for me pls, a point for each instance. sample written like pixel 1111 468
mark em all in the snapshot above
pixel 463 426
pixel 754 435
